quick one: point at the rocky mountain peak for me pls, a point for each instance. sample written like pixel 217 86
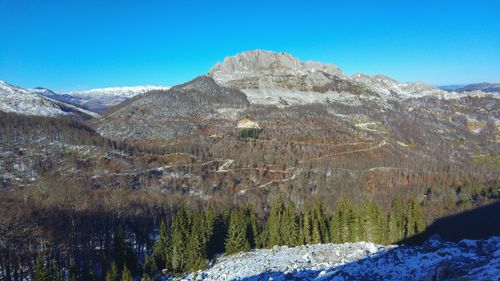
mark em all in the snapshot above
pixel 258 63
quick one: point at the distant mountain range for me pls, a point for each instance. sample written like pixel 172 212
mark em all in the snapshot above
pixel 484 87
pixel 45 102
pixel 264 77
pixel 99 100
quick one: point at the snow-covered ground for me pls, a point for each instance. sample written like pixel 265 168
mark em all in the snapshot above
pixel 30 102
pixel 434 260
pixel 103 98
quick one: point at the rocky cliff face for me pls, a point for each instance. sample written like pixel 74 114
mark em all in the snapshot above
pixel 280 79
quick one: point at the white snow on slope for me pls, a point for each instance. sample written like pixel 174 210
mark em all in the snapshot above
pixel 127 92
pixel 435 260
pixel 103 98
pixel 22 101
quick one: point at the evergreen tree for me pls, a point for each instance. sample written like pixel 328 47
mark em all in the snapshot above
pixel 112 274
pixel 253 229
pixel 396 222
pixel 290 226
pixel 274 222
pixel 126 275
pixel 216 242
pixel 306 226
pixel 319 226
pixel 41 273
pixel 162 248
pixel 353 223
pixel 374 223
pixel 414 220
pixel 209 221
pixel 196 246
pixel 150 268
pixel 180 232
pixel 339 228
pixel 236 240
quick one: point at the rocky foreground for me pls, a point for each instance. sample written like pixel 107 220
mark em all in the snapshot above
pixel 434 260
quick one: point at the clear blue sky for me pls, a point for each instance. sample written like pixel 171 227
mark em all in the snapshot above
pixel 73 44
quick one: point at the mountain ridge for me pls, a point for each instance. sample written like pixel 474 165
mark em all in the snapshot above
pixel 30 102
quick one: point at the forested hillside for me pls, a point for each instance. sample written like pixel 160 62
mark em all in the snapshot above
pixel 264 150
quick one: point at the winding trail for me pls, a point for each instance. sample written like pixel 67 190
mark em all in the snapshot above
pixel 382 143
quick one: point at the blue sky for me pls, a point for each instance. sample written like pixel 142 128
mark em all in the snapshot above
pixel 73 44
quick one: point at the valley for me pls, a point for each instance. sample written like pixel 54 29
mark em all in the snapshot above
pixel 258 128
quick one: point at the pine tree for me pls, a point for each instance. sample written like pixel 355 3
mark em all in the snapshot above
pixel 352 224
pixel 290 226
pixel 274 222
pixel 216 242
pixel 337 223
pixel 344 224
pixel 396 222
pixel 41 273
pixel 112 274
pixel 162 248
pixel 196 246
pixel 374 223
pixel 150 268
pixel 180 231
pixel 253 231
pixel 319 226
pixel 209 221
pixel 414 220
pixel 126 275
pixel 236 240
pixel 306 226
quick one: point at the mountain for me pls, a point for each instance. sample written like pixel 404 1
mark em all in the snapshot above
pixel 313 156
pixel 180 110
pixel 484 87
pixel 278 78
pixel 99 100
pixel 31 102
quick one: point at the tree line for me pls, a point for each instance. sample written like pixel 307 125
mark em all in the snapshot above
pixel 187 239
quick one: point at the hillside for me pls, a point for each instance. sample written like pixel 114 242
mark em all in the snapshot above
pixel 30 102
pixel 262 152
pixel 320 133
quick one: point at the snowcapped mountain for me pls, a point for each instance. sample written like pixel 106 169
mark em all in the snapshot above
pixel 99 100
pixel 435 260
pixel 31 102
